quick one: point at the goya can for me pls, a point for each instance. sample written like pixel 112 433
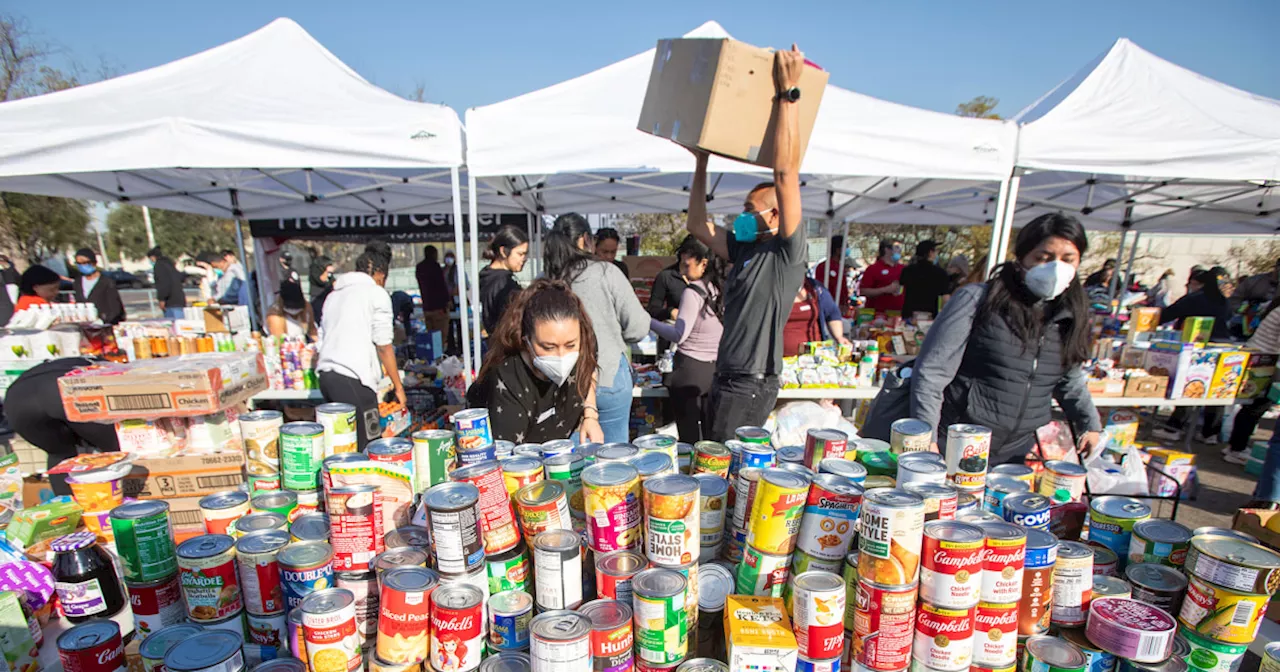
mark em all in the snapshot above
pixel 221 510
pixel 884 623
pixel 951 564
pixel 509 615
pixel 1043 653
pixel 944 637
pixel 210 585
pixel 305 567
pixel 1222 614
pixel 329 630
pixel 301 452
pixel 472 428
pixel 156 604
pixel 1157 585
pixel 404 614
pixel 512 570
pixel 941 500
pixel 1130 629
pixel 453 516
pixel 818 606
pixel 661 625
pixel 830 517
pixel 995 635
pixel 711 457
pixel 1062 481
pixel 672 525
pixel 615 572
pixel 713 505
pixel 890 536
pixel 1002 563
pixel 612 503
pixel 156 644
pixel 968 447
pixel 762 574
pixel 909 435
pixel 355 526
pixel 1027 509
pixel 776 512
pixel 1035 609
pixel 144 540
pixel 821 444
pixel 1000 486
pixel 612 638
pixel 339 423
pixel 557 569
pixel 1110 522
pixel 1234 564
pixel 519 471
pixel 560 641
pixel 542 506
pixel 497 519
pixel 259 571
pixel 434 456
pixel 1160 541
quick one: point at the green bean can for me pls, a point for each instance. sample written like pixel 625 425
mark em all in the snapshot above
pixel 661 625
pixel 1208 655
pixel 144 540
pixel 282 502
pixel 757 435
pixel 301 452
pixel 435 454
pixel 510 570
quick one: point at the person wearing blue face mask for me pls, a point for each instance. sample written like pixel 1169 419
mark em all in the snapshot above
pixel 93 287
pixel 767 254
pixel 881 283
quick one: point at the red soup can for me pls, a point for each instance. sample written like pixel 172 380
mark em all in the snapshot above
pixel 355 527
pixel 951 564
pixel 884 624
pixel 457 627
pixel 404 618
pixel 497 519
pixel 92 646
pixel 156 604
pixel 611 634
pixel 614 573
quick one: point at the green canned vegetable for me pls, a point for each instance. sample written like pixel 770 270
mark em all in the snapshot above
pixel 144 540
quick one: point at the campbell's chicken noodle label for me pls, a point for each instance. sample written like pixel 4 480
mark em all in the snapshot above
pixel 951 564
pixel 884 623
pixel 944 637
pixel 890 537
pixel 995 635
pixel 355 527
pixel 1002 563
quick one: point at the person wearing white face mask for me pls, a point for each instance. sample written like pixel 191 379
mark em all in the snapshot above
pixel 538 377
pixel 1001 351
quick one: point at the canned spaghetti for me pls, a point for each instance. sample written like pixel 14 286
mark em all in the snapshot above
pixel 543 506
pixel 305 567
pixel 821 444
pixel 259 571
pixel 509 615
pixel 1062 481
pixel 355 526
pixel 434 456
pixel 497 520
pixel 614 574
pixel 710 457
pixel 884 623
pixel 995 635
pixel 557 569
pixel 951 564
pixel 830 517
pixel 944 637
pixel 612 505
pixel 968 447
pixel 404 614
pixel 661 625
pixel 329 629
pixel 453 516
pixel 560 641
pixel 210 586
pixel 776 512
pixel 818 606
pixel 457 627
pixel 890 536
pixel 941 500
pixel 518 472
pixel 909 435
pixel 672 529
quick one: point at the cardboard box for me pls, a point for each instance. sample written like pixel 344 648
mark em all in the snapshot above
pixel 1195 373
pixel 1121 428
pixel 1177 465
pixel 1146 387
pixel 1133 355
pixel 1257 378
pixel 46 521
pixel 190 476
pixel 1162 357
pixel 175 386
pixel 717 95
pixel 1111 386
pixel 758 634
pixel 187 518
pixel 1254 521
pixel 1143 319
pixel 1229 374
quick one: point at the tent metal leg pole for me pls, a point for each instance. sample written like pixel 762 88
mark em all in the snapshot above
pixel 462 276
pixel 1133 252
pixel 475 264
pixel 1115 275
pixel 840 281
pixel 1005 210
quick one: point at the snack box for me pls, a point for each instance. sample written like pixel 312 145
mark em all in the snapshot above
pixel 1143 319
pixel 1257 378
pixel 1133 355
pixel 758 634
pixel 1121 428
pixel 1229 374
pixel 18 645
pixel 1162 357
pixel 1197 329
pixel 171 386
pixel 1195 373
pixel 42 522
pixel 1179 466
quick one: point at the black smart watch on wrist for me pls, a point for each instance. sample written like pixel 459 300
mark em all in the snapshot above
pixel 790 95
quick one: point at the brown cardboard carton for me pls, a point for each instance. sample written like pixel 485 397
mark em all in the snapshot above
pixel 187 518
pixel 189 476
pixel 1146 387
pixel 717 95
pixel 173 386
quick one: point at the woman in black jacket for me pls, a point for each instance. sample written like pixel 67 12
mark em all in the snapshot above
pixel 1203 299
pixel 506 254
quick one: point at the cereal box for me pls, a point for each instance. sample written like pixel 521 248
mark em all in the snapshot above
pixel 1133 355
pixel 1168 470
pixel 1143 319
pixel 759 635
pixel 1197 329
pixel 1120 428
pixel 1162 357
pixel 1195 373
pixel 1229 374
pixel 1257 378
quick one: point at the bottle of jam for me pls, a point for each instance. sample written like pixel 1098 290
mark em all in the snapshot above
pixel 85 578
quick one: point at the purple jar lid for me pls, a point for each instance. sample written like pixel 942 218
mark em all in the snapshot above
pixel 74 541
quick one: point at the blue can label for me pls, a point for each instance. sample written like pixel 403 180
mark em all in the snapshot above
pixel 467 458
pixel 993 501
pixel 757 456
pixel 510 631
pixel 1041 557
pixel 299 583
pixel 472 428
pixel 806 665
pixel 1034 519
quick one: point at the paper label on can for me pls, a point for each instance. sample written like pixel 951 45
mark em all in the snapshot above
pixel 995 635
pixel 145 546
pixel 819 623
pixel 711 519
pixel 889 542
pixel 884 628
pixel 611 650
pixel 497 520
pixel 661 628
pixel 355 529
pixel 331 640
pixel 775 518
pixel 300 457
pixel 211 588
pixel 613 516
pixel 457 638
pixel 510 631
pixel 260 582
pixel 828 524
pixel 1114 533
pixel 944 638
pixel 299 583
pixel 951 572
pixel 558 578
pixel 1222 614
pixel 157 606
pixel 1002 564
pixel 1072 590
pixel 404 623
pixel 454 539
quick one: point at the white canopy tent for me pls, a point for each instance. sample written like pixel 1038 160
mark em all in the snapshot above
pixel 574 146
pixel 269 125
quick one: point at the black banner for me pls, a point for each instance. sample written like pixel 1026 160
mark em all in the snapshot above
pixel 394 228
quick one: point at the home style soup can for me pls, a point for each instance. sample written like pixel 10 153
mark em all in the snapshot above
pixel 672 522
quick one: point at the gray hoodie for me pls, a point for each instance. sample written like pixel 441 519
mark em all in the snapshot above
pixel 615 312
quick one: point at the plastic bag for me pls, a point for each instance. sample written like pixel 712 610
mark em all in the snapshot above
pixel 1127 478
pixel 792 421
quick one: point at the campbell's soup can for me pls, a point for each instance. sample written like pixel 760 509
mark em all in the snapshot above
pixel 944 637
pixel 1002 563
pixel 457 627
pixel 995 635
pixel 92 646
pixel 156 604
pixel 951 564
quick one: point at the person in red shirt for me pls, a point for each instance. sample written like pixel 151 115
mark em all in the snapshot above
pixel 880 282
pixel 828 273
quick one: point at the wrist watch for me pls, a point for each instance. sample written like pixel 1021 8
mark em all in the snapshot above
pixel 790 95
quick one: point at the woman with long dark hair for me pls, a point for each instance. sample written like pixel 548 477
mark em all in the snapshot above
pixel 1002 350
pixel 537 376
pixel 616 316
pixel 1204 298
pixel 506 254
pixel 696 334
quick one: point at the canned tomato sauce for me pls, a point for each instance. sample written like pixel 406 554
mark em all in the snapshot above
pixel 611 634
pixel 259 572
pixel 155 645
pixel 560 642
pixel 951 564
pixel 404 616
pixel 884 623
pixel 457 627
pixel 497 520
pixel 305 567
pixel 672 524
pixel 355 526
pixel 208 651
pixel 329 628
pixel 614 574
pixel 210 585
pixel 92 646
pixel 156 604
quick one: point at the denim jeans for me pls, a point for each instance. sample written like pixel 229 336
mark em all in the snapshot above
pixel 614 403
pixel 173 313
pixel 1269 482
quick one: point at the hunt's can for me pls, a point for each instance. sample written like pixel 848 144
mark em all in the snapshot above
pixel 472 428
pixel 762 574
pixel 329 628
pixel 661 625
pixel 208 651
pixel 968 447
pixel 612 639
pixel 713 502
pixel 144 540
pixel 404 614
pixel 262 522
pixel 710 457
pixel 1130 629
pixel 890 536
pixel 1035 609
pixel 672 525
pixel 339 422
pixel 156 644
pixel 884 624
pixel 941 500
pixel 844 467
pixel 542 506
pixel 509 615
pixel 1043 653
pixel 519 471
pixel 818 606
pixel 301 451
pixel 1208 655
pixel 830 517
pixel 434 456
pixel 259 571
pixel 1222 614
pixel 557 569
pixel 355 526
pixel 457 627
pixel 1161 541
pixel 221 510
pixel 1027 510
pixel 1062 481
pixel 820 444
pixel 1110 522
pixel 1000 486
pixel 1234 564
pixel 260 433
pixel 1097 659
pixel 1105 562
pixel 453 516
pixel 775 514
pixel 210 586
pixel 497 519
pixel 510 571
pixel 267 637
pixel 909 435
pixel 310 527
pixel 944 637
pixel 615 572
pixel 951 564
pixel 560 642
pixel 305 567
pixel 995 635
pixel 156 604
pixel 612 506
pixel 1003 562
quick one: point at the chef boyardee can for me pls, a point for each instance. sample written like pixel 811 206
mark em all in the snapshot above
pixel 661 635
pixel 1110 522
pixel 1162 541
pixel 560 640
pixel 301 451
pixel 453 516
pixel 305 567
pixel 510 570
pixel 776 512
pixel 1052 654
pixel 1027 509
pixel 144 540
pixel 1157 585
pixel 509 615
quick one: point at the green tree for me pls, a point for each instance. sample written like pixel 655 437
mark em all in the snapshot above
pixel 982 107
pixel 660 233
pixel 177 233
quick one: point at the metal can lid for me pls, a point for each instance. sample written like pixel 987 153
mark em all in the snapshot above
pixel 1181 647
pixel 410 535
pixel 654 441
pixel 1072 550
pixel 262 541
pixel 327 601
pixel 139 509
pixel 274 499
pixel 1037 538
pixel 520 464
pixel 799 470
pixel 335 407
pixel 826 434
pixel 1236 551
pixel 1011 470
pixel 610 452
pixel 1003 530
pixel 1065 468
pixel 609 473
pixel 74 541
pixel 872 445
pixel 511 602
pixel 1058 653
pixel 302 428
pixel 1156 577
pixel 953 530
pixel 839 485
pixel 893 499
pixel 1117 506
pixel 158 643
pixel 704 665
pixel 205 546
pixel 227 499
pixel 452 495
pixel 649 464
pixel 978 517
pixel 711 485
pixel 911 427
pixel 426 434
pixel 506 661
pixel 400 556
pixel 819 580
pixel 281 665
pixel 715 585
pixel 842 467
pixel 473 471
pixel 1225 532
pixel 312 526
pixel 409 579
pixel 714 448
pixel 784 479
pixel 1007 484
pixel 203 650
pixel 920 456
pixel 540 492
pixel 338 458
pixel 456 596
pixel 621 563
pixel 791 454
pixel 257 522
pixel 672 485
pixel 471 414
pixel 961 429
pixel 560 626
pixel 927 467
pixel 1110 586
pixel 748 432
pixel 259 416
pixel 557 540
pixel 393 445
pixel 88 634
pixel 1162 531
pixel 606 614
pixel 1103 555
pixel 563 459
pixel 302 554
pixel 1026 502
pixel 932 490
pixel 659 583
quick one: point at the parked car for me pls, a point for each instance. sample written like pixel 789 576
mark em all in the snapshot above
pixel 125 279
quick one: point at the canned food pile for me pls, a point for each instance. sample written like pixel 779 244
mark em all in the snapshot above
pixel 842 554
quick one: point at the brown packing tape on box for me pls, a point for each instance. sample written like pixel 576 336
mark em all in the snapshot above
pixel 718 95
pixel 189 476
pixel 1146 387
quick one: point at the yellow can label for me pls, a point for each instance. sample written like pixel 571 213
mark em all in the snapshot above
pixel 775 517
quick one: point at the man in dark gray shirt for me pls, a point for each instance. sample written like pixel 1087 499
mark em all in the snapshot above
pixel 767 253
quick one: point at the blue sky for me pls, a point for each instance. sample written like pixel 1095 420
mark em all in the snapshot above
pixel 928 54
